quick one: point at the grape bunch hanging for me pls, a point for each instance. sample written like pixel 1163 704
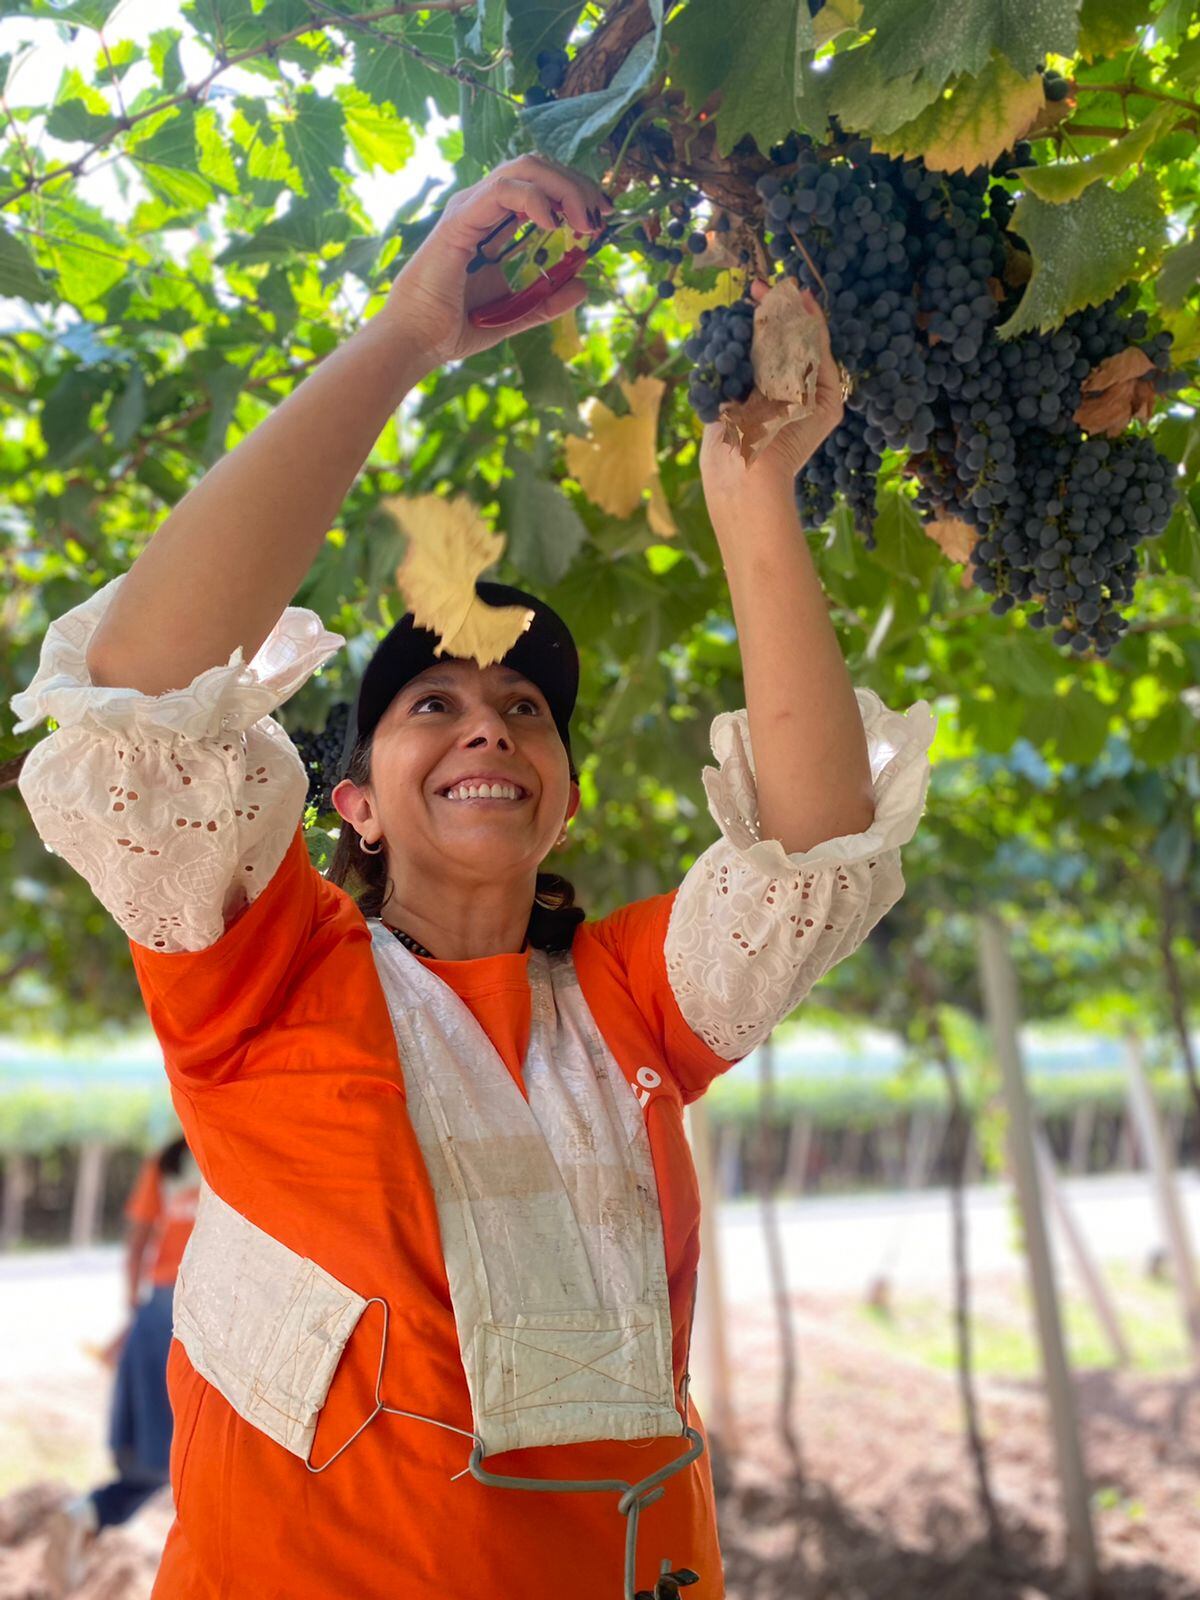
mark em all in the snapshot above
pixel 321 755
pixel 915 271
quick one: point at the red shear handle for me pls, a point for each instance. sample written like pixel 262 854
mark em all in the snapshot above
pixel 512 307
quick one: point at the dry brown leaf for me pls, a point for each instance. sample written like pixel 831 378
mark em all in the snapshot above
pixel 449 545
pixel 1115 392
pixel 751 425
pixel 617 462
pixel 995 289
pixel 956 537
pixel 786 352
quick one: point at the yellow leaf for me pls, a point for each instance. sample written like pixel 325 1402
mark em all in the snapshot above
pixel 658 512
pixel 618 459
pixel 834 17
pixel 687 304
pixel 564 337
pixel 1066 180
pixel 449 545
pixel 972 121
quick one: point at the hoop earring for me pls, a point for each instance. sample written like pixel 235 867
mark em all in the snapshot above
pixel 366 849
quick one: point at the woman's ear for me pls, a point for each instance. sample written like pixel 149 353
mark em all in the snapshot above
pixel 573 805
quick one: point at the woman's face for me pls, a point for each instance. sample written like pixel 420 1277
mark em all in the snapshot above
pixel 453 729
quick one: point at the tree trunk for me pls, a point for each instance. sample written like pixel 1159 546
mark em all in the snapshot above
pixel 18 1183
pixel 89 1194
pixel 958 1142
pixel 1175 993
pixel 776 1260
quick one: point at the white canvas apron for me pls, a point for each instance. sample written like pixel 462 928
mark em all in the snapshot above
pixel 551 1229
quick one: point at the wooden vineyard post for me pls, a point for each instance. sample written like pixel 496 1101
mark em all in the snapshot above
pixel 1086 1264
pixel 89 1194
pixel 1145 1115
pixel 18 1181
pixel 999 983
pixel 711 1325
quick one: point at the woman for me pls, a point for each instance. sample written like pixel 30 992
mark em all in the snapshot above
pixel 449 1228
pixel 160 1211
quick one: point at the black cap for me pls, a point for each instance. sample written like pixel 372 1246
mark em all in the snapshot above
pixel 545 654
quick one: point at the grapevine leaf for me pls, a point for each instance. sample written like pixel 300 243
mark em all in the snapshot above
pixel 561 128
pixel 19 275
pixel 164 58
pixel 618 461
pixel 1066 180
pixel 868 98
pixel 1180 273
pixel 545 382
pixel 901 543
pixel 1084 250
pixel 1180 542
pixel 316 142
pixel 380 139
pixel 449 547
pixel 1160 740
pixel 714 49
pixel 81 114
pixel 834 17
pixel 970 123
pixel 1106 26
pixel 128 412
pixel 387 72
pixel 486 34
pixel 545 532
pixel 1075 723
pixel 535 25
pixel 940 41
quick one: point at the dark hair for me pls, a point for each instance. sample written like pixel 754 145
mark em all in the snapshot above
pixel 170 1158
pixel 552 921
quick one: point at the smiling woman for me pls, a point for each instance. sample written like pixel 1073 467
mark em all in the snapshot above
pixel 472 769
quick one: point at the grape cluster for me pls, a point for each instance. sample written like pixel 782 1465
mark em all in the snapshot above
pixel 552 74
pixel 721 351
pixel 912 268
pixel 321 755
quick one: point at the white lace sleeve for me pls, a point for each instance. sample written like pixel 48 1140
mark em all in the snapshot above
pixel 753 928
pixel 176 808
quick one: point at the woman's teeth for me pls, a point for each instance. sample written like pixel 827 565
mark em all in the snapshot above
pixel 484 791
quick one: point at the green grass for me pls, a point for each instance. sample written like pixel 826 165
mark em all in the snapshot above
pixel 1003 1332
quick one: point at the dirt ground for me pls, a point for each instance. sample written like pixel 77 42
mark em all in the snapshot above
pixel 886 1509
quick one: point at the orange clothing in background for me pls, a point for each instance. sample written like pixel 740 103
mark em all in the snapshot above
pixel 171 1209
pixel 285 1074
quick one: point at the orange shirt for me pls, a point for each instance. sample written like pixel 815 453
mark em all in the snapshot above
pixel 283 1065
pixel 171 1209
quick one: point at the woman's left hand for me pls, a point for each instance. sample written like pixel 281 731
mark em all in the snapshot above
pixel 722 470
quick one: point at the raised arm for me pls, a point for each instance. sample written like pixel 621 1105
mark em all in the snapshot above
pixel 226 562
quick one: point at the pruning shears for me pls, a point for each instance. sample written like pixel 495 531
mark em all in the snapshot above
pixel 518 303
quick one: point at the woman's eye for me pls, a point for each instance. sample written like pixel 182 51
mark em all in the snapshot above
pixel 530 705
pixel 429 699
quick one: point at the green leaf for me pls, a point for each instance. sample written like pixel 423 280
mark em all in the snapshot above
pixel 488 124
pixel 316 142
pixel 545 381
pixel 81 114
pixel 562 128
pixel 224 385
pixel 940 41
pixel 1066 180
pixel 88 13
pixel 1179 545
pixel 969 124
pixel 535 25
pixel 65 418
pixel 20 277
pixel 303 230
pixel 1106 26
pixel 545 532
pixel 867 98
pixel 216 162
pixel 1172 850
pixel 164 58
pixel 1025 662
pixel 1159 741
pixel 1075 724
pixel 389 73
pixel 1179 274
pixel 128 411
pixel 902 545
pixel 380 139
pixel 716 45
pixel 1084 250
pixel 486 34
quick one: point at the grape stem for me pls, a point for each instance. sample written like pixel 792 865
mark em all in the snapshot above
pixel 1127 89
pixel 812 267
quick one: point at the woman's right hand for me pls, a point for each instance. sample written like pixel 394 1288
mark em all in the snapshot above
pixel 432 295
